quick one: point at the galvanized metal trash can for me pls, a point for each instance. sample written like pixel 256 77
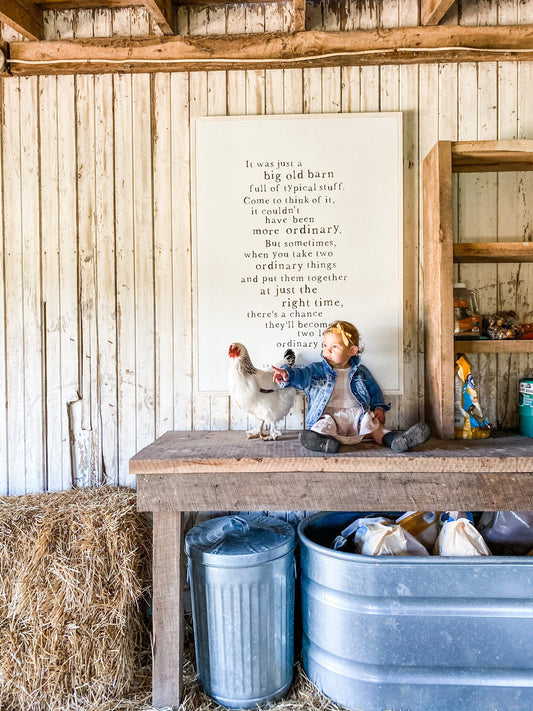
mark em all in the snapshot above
pixel 418 633
pixel 241 570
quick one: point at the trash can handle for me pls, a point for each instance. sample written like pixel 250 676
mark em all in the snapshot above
pixel 224 525
pixel 237 522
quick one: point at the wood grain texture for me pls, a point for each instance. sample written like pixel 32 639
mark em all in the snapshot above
pixel 213 452
pixel 432 11
pixel 24 17
pixel 167 634
pixel 438 286
pixel 140 354
pixel 404 45
pixel 337 491
pixel 490 156
pixel 497 346
pixel 439 232
pixel 492 252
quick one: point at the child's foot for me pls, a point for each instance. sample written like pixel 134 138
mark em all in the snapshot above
pixel 319 443
pixel 415 435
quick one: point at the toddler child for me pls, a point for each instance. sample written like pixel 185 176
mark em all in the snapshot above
pixel 345 404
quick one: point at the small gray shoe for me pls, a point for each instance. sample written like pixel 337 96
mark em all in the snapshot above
pixel 415 435
pixel 319 443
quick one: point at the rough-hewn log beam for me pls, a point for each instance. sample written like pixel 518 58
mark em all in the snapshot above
pixel 23 16
pixel 407 45
pixel 432 11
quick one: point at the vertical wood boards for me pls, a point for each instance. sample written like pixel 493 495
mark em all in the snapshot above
pixel 163 208
pixel 409 409
pixel 3 354
pixel 508 225
pixel 106 313
pixel 477 196
pixel 13 289
pixel 236 106
pixel 217 106
pixel 96 316
pixel 125 258
pixel 198 107
pixel 524 300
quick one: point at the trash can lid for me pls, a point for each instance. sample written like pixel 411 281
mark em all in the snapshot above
pixel 240 540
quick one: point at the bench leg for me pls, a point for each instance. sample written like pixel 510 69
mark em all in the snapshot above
pixel 167 640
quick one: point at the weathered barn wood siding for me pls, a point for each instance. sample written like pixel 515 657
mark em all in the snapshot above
pixel 96 309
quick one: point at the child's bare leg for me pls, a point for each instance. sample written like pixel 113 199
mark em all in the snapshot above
pixel 378 433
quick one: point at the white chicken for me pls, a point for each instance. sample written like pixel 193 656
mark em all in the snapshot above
pixel 255 392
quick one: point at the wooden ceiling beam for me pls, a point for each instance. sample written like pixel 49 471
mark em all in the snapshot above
pixel 24 17
pixel 406 45
pixel 432 11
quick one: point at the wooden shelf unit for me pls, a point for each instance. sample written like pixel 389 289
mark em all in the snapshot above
pixel 440 253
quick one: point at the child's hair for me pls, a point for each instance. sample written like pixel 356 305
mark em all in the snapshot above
pixel 345 329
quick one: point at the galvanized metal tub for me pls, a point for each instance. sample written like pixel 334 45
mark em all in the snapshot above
pixel 241 570
pixel 417 633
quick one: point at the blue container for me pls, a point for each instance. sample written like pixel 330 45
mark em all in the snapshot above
pixel 525 407
pixel 241 570
pixel 416 633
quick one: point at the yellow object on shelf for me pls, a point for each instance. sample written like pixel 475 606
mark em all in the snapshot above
pixel 469 420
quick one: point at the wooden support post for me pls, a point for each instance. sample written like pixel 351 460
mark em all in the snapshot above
pixel 438 288
pixel 168 579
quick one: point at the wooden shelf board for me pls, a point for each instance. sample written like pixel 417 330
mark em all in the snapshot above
pixel 477 252
pixel 496 346
pixel 491 156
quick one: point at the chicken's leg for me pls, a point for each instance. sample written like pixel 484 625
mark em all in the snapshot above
pixel 256 433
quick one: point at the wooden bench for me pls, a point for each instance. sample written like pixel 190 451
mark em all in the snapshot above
pixel 223 471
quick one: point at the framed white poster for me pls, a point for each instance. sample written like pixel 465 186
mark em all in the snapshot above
pixel 297 221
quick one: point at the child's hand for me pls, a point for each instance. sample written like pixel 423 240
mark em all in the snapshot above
pixel 280 375
pixel 379 414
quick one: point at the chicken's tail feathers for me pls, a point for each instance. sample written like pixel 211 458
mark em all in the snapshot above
pixel 290 357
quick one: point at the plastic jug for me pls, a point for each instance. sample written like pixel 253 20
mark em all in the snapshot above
pixel 467 320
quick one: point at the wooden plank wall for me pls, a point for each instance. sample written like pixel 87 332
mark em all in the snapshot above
pixel 96 308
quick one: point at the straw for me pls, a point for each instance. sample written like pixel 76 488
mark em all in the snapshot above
pixel 74 591
pixel 74 576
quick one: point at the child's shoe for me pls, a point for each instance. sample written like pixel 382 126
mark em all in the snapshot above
pixel 415 435
pixel 318 442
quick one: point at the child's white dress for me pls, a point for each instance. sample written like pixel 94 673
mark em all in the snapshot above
pixel 343 417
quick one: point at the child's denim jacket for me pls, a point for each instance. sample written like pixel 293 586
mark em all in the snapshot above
pixel 317 380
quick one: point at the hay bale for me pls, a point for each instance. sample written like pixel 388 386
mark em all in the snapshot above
pixel 74 571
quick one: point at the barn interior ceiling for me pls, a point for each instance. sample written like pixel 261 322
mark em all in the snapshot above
pixel 26 16
pixel 300 46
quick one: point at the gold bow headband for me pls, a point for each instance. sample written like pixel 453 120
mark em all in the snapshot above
pixel 346 336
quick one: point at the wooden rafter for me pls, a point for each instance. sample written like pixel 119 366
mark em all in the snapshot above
pixel 299 15
pixel 163 13
pixel 407 45
pixel 432 11
pixel 23 16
